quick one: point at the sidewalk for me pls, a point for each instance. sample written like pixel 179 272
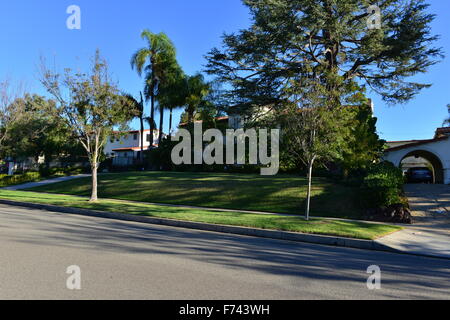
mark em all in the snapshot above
pixel 430 235
pixel 45 182
pixel 423 241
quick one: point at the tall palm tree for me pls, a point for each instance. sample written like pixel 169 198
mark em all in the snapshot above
pixel 169 91
pixel 172 93
pixel 197 90
pixel 153 60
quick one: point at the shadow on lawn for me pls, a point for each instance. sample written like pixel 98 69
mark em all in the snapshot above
pixel 282 193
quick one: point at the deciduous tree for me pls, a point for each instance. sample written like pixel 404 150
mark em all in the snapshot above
pixel 92 107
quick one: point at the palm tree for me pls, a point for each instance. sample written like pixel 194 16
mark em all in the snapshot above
pixel 172 93
pixel 197 90
pixel 138 110
pixel 153 59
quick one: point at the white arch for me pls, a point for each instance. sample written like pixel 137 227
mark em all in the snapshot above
pixel 397 156
pixel 401 154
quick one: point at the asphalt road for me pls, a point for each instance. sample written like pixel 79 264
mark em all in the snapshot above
pixel 123 260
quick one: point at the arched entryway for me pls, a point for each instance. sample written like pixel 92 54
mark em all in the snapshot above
pixel 431 159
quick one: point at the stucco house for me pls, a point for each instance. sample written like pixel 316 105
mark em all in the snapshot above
pixel 434 152
pixel 125 147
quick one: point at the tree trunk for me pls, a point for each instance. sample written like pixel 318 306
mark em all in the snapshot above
pixel 170 121
pixel 190 116
pixel 94 197
pixel 141 156
pixel 308 197
pixel 152 116
pixel 161 124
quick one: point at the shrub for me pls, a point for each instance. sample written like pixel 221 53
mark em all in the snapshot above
pixel 6 181
pixel 382 186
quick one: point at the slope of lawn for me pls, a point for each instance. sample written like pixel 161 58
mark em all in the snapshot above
pixel 281 193
pixel 350 229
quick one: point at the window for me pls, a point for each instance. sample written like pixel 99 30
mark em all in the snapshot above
pixel 135 136
pixel 148 138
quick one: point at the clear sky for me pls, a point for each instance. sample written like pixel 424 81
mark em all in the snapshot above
pixel 30 29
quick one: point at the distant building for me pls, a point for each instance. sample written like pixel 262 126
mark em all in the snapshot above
pixel 125 147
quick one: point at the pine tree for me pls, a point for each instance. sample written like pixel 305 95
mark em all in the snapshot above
pixel 313 38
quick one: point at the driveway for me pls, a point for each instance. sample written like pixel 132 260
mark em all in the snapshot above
pixel 126 260
pixel 430 235
pixel 430 204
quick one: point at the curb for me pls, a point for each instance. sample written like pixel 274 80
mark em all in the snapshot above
pixel 243 231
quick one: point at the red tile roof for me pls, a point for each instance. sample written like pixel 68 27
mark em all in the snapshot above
pixel 442 131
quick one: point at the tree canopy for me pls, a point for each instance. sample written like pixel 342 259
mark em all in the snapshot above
pixel 298 38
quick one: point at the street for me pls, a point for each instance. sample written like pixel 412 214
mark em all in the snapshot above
pixel 124 260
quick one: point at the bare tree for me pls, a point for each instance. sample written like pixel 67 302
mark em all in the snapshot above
pixel 91 105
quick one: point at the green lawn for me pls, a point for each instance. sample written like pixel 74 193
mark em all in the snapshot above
pixel 281 193
pixel 350 229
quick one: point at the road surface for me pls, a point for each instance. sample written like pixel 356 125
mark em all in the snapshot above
pixel 124 260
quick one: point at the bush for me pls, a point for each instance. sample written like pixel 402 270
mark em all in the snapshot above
pixel 6 181
pixel 45 171
pixel 382 187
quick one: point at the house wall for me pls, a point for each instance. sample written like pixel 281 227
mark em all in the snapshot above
pixel 440 149
pixel 129 141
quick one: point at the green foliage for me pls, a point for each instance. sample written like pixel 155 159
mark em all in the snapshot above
pixel 45 171
pixel 92 107
pixel 158 61
pixel 447 121
pixel 6 180
pixel 382 186
pixel 363 144
pixel 39 132
pixel 160 158
pixel 290 38
pixel 196 91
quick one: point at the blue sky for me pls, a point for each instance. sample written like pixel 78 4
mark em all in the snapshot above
pixel 30 29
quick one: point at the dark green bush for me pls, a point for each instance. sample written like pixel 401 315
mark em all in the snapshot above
pixel 382 186
pixel 7 181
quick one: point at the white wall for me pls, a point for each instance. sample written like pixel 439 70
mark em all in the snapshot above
pixel 128 141
pixel 439 148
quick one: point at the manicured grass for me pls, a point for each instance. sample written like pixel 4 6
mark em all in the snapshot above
pixel 350 229
pixel 281 193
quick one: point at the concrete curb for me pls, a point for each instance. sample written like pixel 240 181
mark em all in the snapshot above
pixel 244 231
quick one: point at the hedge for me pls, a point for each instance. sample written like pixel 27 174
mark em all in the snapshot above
pixel 6 180
pixel 382 186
